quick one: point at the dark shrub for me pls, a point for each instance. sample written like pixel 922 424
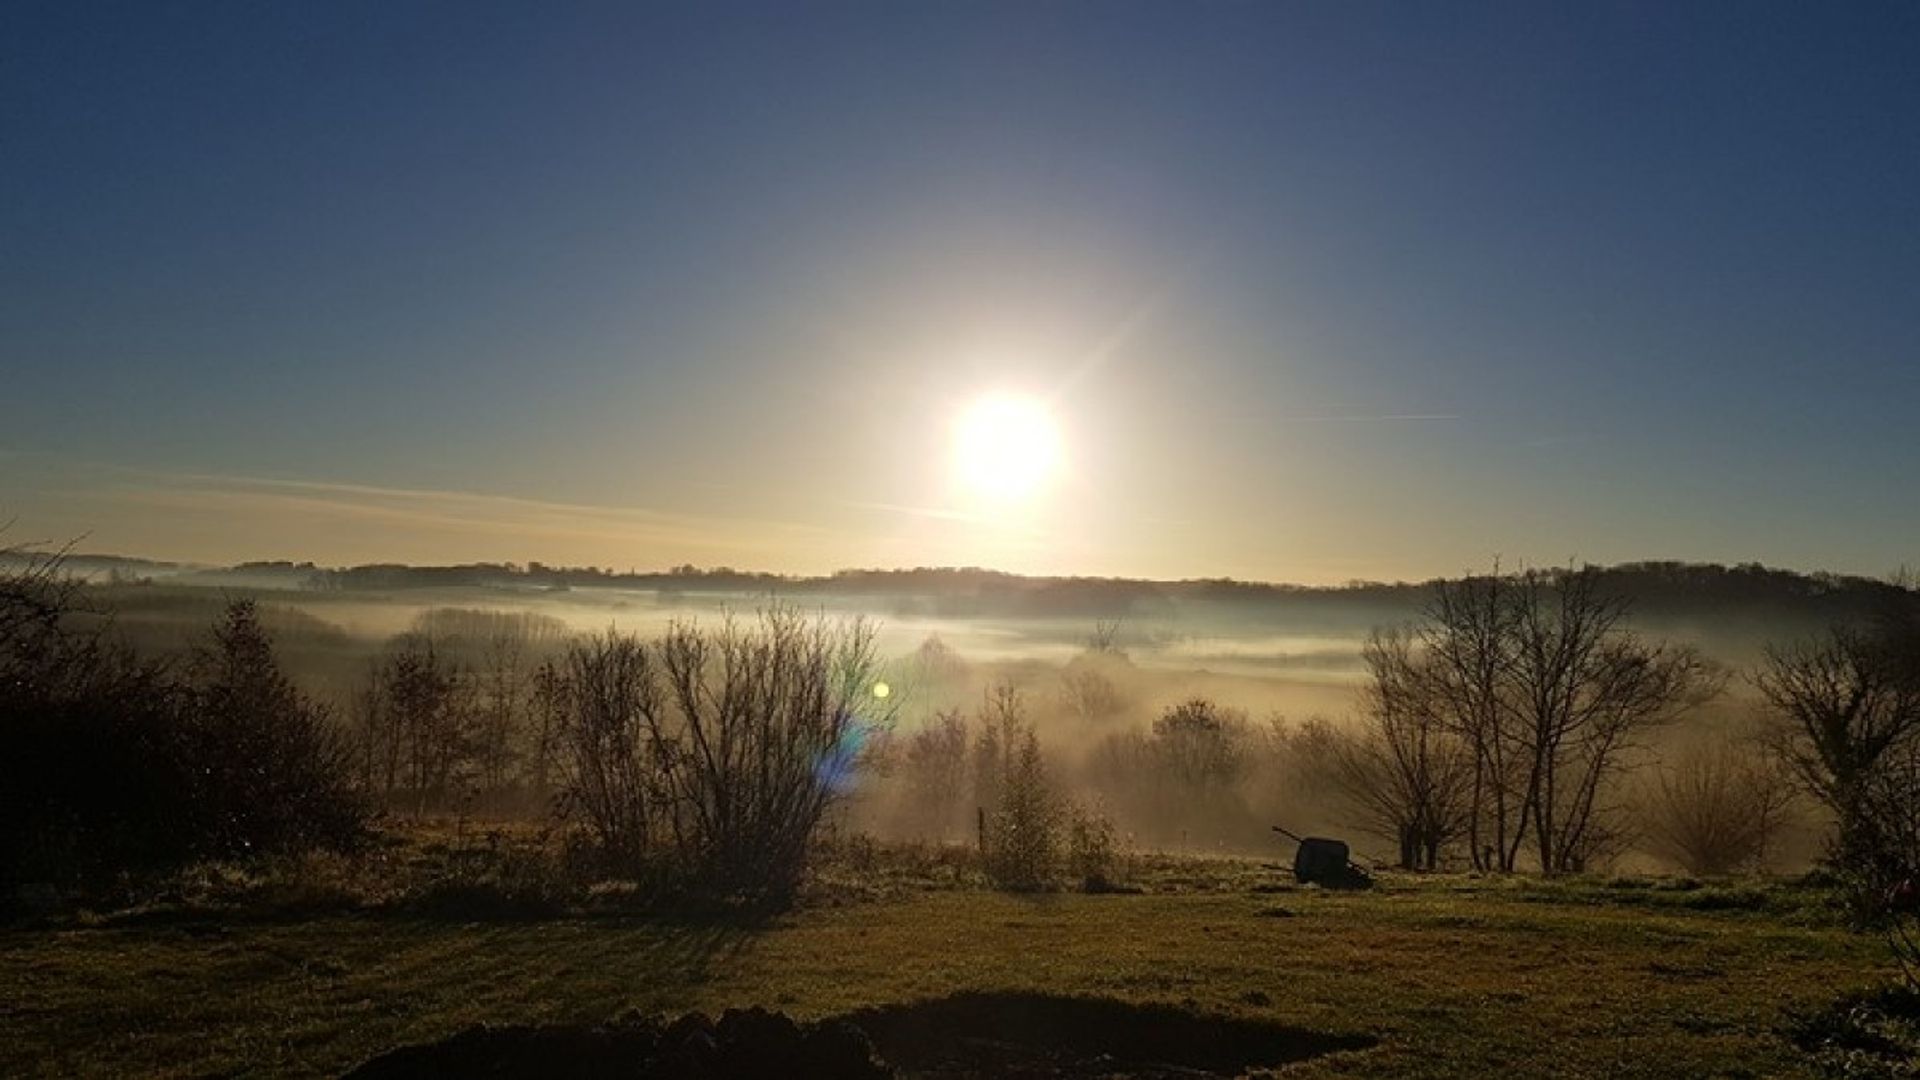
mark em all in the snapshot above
pixel 270 770
pixel 705 761
pixel 94 774
pixel 111 765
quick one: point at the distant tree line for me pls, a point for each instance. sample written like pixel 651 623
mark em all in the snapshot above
pixel 1651 589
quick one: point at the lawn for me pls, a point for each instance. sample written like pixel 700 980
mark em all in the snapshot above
pixel 1447 976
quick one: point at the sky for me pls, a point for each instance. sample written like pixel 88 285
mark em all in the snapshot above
pixel 1312 292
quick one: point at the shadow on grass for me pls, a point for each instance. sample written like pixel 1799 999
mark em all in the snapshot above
pixel 1038 1035
pixel 1032 1036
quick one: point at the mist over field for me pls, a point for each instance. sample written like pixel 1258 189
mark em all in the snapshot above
pixel 1095 662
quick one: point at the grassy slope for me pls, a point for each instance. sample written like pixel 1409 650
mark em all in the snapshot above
pixel 1454 977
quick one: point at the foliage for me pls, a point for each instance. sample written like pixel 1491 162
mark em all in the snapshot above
pixel 711 757
pixel 1715 810
pixel 112 765
pixel 1552 695
pixel 1092 851
pixel 1023 830
pixel 934 769
pixel 1872 1035
pixel 1846 713
pixel 271 771
pixel 1408 774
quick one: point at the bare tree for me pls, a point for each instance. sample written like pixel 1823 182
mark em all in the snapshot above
pixel 1467 639
pixel 495 651
pixel 548 701
pixel 1846 711
pixel 1088 692
pixel 1002 720
pixel 1105 639
pixel 1180 781
pixel 608 762
pixel 1553 695
pixel 501 708
pixel 1844 705
pixel 935 774
pixel 1411 775
pixel 1201 746
pixel 1716 809
pixel 37 596
pixel 1587 690
pixel 417 723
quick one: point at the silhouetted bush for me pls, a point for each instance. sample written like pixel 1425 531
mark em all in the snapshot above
pixel 710 756
pixel 111 765
pixel 418 727
pixel 1846 709
pixel 271 773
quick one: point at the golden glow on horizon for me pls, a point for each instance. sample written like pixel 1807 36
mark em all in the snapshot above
pixel 1006 448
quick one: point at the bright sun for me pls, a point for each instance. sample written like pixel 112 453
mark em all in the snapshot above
pixel 1006 448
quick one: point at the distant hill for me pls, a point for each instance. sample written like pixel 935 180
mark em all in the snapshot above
pixel 1659 591
pixel 93 567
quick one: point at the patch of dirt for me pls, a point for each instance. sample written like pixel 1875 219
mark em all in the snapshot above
pixel 1041 1037
pixel 1021 1036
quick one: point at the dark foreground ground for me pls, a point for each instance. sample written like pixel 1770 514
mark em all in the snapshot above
pixel 1441 976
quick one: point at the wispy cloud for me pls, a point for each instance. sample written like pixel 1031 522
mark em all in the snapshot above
pixel 1361 418
pixel 413 507
pixel 223 516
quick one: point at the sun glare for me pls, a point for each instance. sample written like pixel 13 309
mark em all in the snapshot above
pixel 1006 448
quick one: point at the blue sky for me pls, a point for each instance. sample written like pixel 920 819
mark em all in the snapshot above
pixel 1314 291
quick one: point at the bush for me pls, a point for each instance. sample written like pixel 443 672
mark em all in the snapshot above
pixel 112 766
pixel 271 772
pixel 1714 811
pixel 1846 711
pixel 706 760
pixel 1182 780
pixel 1092 856
pixel 1865 1036
pixel 95 777
pixel 934 775
pixel 1023 831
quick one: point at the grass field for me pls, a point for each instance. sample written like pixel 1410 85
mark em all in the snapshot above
pixel 1447 976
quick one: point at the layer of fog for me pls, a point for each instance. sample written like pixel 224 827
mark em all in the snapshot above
pixel 1268 676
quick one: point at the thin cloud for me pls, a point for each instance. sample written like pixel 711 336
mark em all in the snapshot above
pixel 364 518
pixel 1363 418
